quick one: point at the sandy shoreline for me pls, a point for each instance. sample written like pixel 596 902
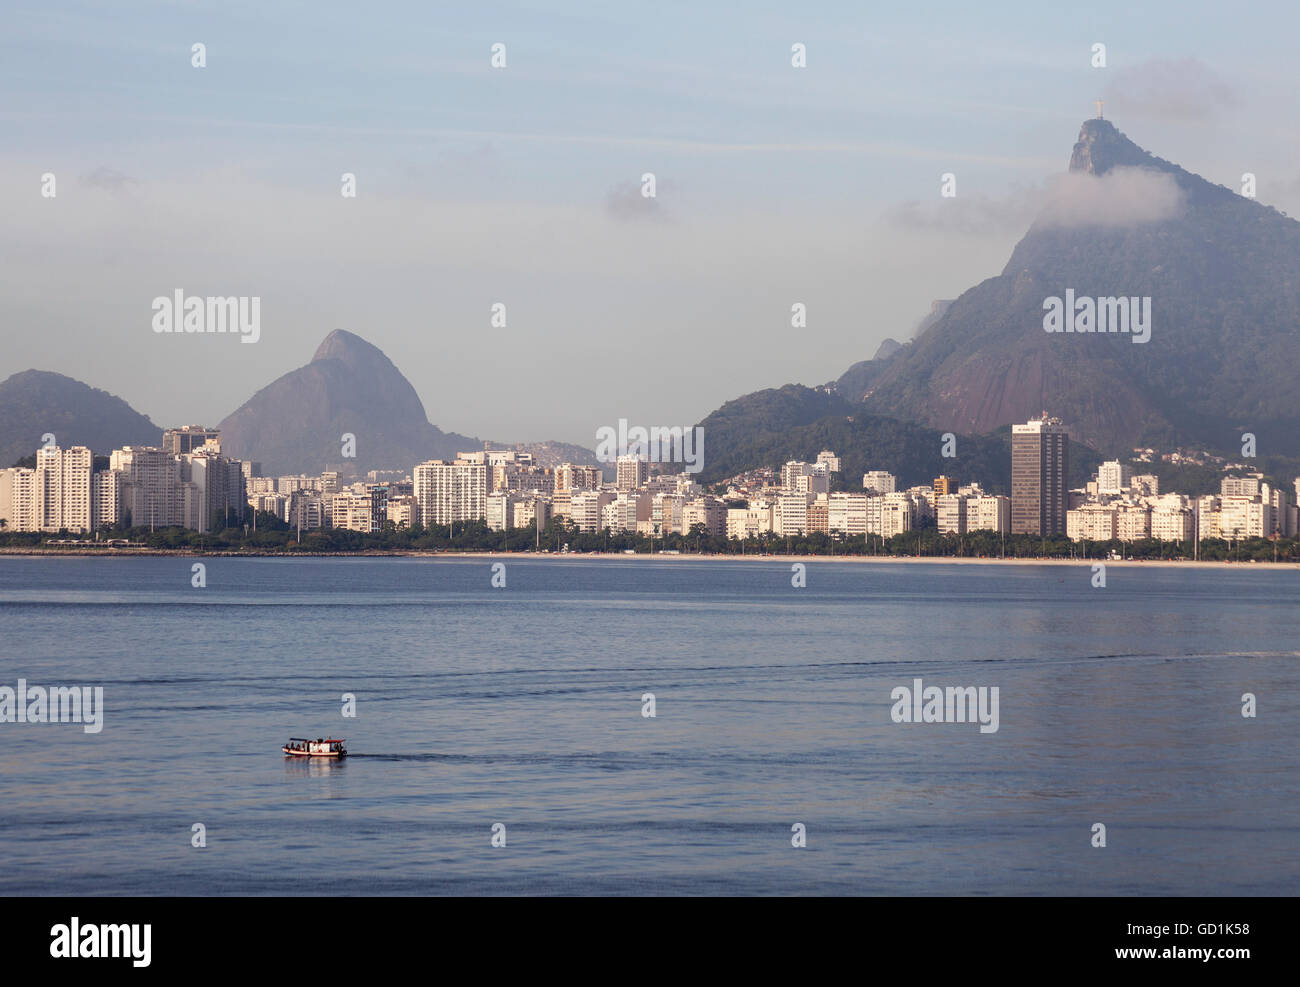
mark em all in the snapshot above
pixel 684 557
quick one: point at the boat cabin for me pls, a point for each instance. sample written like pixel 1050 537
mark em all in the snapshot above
pixel 320 747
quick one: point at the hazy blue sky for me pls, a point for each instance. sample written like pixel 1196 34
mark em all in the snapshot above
pixel 521 185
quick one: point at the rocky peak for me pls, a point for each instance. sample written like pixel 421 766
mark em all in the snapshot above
pixel 1102 147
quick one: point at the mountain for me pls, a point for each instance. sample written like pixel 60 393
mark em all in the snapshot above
pixel 296 423
pixel 857 380
pixel 768 428
pixel 1223 275
pixel 35 402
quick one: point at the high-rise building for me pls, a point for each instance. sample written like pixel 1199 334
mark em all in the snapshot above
pixel 18 499
pixel 846 513
pixel 1113 477
pixel 455 491
pixel 585 507
pixel 572 476
pixel 213 486
pixel 989 513
pixel 153 495
pixel 950 512
pixel 631 472
pixel 879 482
pixel 1133 522
pixel 106 499
pixel 1091 522
pixel 707 511
pixel 55 496
pixel 1240 486
pixel 353 510
pixel 791 514
pixel 62 489
pixel 944 485
pixel 1040 468
pixel 1172 524
pixel 190 438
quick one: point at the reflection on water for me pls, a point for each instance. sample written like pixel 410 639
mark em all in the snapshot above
pixel 313 767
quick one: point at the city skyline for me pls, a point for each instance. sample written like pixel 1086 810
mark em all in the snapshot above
pixel 188 483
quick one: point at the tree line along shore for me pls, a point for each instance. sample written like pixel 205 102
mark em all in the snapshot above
pixel 272 537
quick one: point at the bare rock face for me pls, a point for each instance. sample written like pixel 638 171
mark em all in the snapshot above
pixel 296 423
pixel 1102 147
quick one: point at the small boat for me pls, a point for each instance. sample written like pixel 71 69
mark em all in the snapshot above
pixel 300 747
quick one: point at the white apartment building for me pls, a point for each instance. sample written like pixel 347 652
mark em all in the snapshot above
pixel 1172 524
pixel 305 510
pixel 271 503
pixel 991 512
pixel 1132 522
pixel 1145 485
pixel 1206 510
pixel 878 481
pixel 1244 517
pixel 531 512
pixel 627 511
pixel 666 513
pixel 585 507
pixel 897 514
pixel 631 472
pixel 846 513
pixel 1240 486
pixel 922 501
pixel 570 476
pixel 790 515
pixel 708 511
pixel 829 461
pixel 403 512
pixel 1113 477
pixel 498 510
pixel 18 499
pixel 753 521
pixel 353 511
pixel 61 486
pixel 451 491
pixel 106 499
pixel 1091 522
pixel 153 494
pixel 950 514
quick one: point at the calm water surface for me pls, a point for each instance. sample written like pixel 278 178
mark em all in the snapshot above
pixel 522 706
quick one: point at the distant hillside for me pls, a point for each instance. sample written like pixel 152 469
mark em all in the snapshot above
pixel 552 454
pixel 296 423
pixel 772 427
pixel 35 402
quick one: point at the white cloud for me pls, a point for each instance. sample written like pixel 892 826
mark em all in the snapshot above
pixel 1121 197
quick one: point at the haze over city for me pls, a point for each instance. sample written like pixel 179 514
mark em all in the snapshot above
pixel 521 186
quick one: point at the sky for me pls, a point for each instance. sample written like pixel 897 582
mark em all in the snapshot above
pixel 522 185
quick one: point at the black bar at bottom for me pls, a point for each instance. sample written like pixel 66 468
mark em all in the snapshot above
pixel 917 937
